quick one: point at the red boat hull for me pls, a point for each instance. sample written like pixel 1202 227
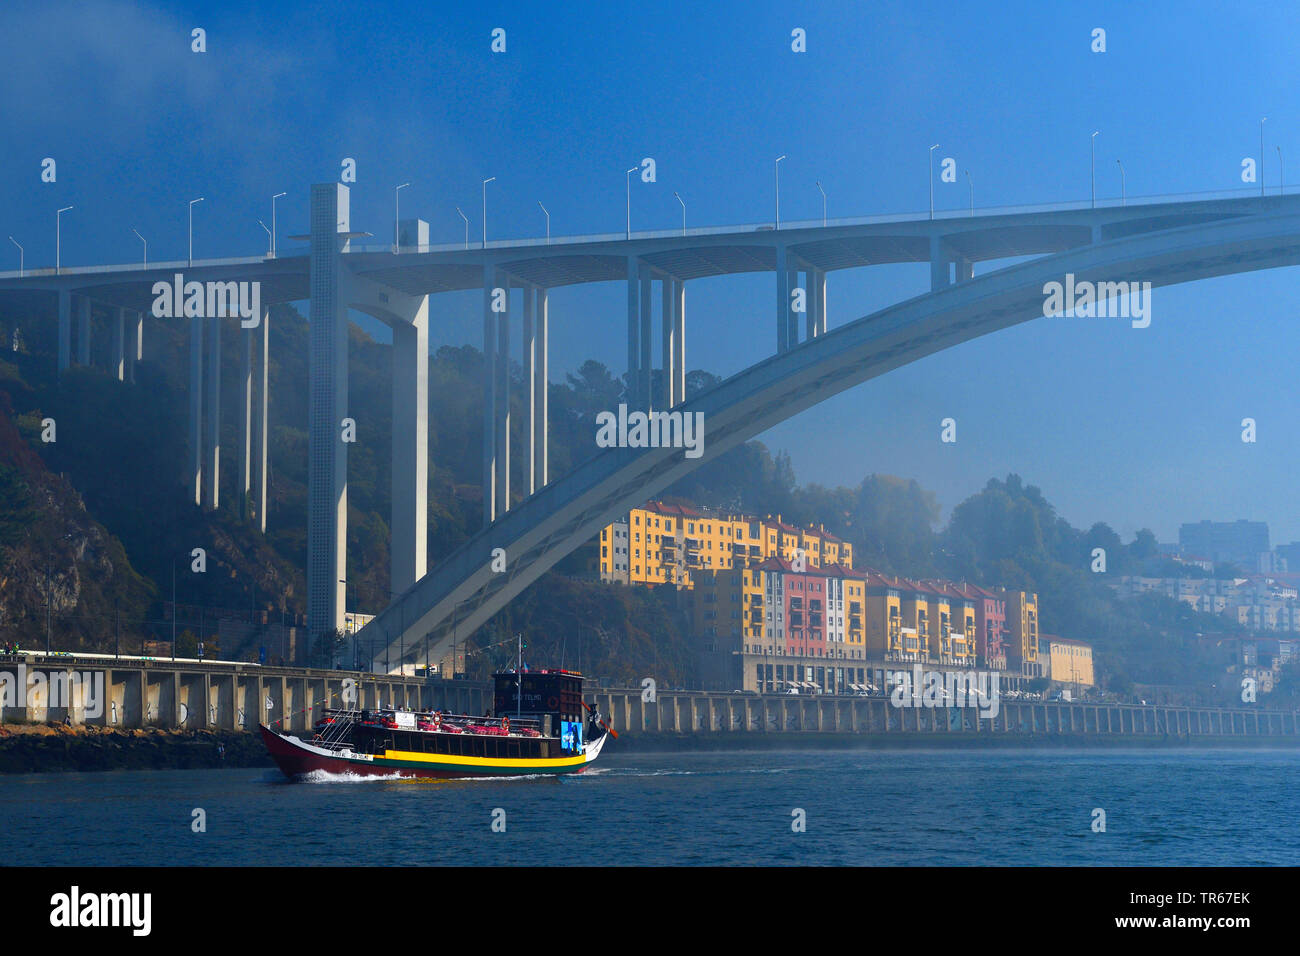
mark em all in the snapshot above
pixel 296 758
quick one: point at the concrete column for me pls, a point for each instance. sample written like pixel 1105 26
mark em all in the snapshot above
pixel 503 401
pixel 938 265
pixel 633 329
pixel 196 407
pixel 646 378
pixel 489 398
pixel 529 355
pixel 965 270
pixel 212 416
pixel 65 329
pixel 119 344
pixel 83 330
pixel 410 475
pixel 792 317
pixel 667 326
pixel 811 324
pixel 260 419
pixel 821 302
pixel 782 301
pixel 679 338
pixel 327 512
pixel 135 345
pixel 541 423
pixel 245 420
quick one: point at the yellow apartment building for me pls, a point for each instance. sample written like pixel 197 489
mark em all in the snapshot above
pixel 1022 632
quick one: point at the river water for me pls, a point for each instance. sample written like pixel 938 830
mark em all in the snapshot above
pixel 898 807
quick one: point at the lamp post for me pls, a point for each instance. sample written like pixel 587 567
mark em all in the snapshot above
pixel 823 192
pixel 268 237
pixel 971 187
pixel 777 167
pixel 1281 179
pixel 683 202
pixel 1123 200
pixel 191 229
pixel 58 238
pixel 548 222
pixel 1092 154
pixel 485 182
pixel 273 199
pixel 20 256
pixel 397 216
pixel 466 218
pixel 930 171
pixel 146 245
pixel 628 175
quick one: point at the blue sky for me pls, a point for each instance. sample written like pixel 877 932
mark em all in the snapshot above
pixel 1136 427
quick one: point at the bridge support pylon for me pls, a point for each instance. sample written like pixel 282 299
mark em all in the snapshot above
pixel 327 497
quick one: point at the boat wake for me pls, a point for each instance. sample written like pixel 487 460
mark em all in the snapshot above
pixel 326 776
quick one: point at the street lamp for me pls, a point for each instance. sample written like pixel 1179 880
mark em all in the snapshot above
pixel 1122 178
pixel 683 202
pixel 466 218
pixel 485 182
pixel 397 215
pixel 268 237
pixel 146 245
pixel 823 192
pixel 548 222
pixel 192 202
pixel 273 199
pixel 777 166
pixel 930 171
pixel 971 186
pixel 58 237
pixel 20 256
pixel 1092 153
pixel 1281 180
pixel 629 200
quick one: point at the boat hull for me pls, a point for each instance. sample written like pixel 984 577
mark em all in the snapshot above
pixel 298 758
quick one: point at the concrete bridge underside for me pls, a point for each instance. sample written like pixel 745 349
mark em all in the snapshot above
pixel 464 592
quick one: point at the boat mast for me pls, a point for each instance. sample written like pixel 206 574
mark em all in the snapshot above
pixel 519 678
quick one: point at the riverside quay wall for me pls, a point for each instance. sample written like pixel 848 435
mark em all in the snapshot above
pixel 683 713
pixel 224 695
pixel 209 695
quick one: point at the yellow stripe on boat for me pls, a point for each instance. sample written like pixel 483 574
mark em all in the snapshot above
pixel 464 761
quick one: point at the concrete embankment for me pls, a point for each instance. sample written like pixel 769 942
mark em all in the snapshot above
pixel 41 748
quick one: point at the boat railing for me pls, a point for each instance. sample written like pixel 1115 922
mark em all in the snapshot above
pixel 461 722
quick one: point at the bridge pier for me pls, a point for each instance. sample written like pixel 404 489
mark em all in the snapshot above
pixel 783 342
pixel 503 400
pixel 196 408
pixel 135 345
pixel 65 330
pixel 212 447
pixel 245 421
pixel 540 406
pixel 679 338
pixel 668 329
pixel 119 344
pixel 938 264
pixel 83 330
pixel 410 473
pixel 489 397
pixel 260 422
pixel 327 514
pixel 645 378
pixel 633 327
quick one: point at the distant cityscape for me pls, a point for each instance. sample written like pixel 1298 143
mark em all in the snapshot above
pixel 777 608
